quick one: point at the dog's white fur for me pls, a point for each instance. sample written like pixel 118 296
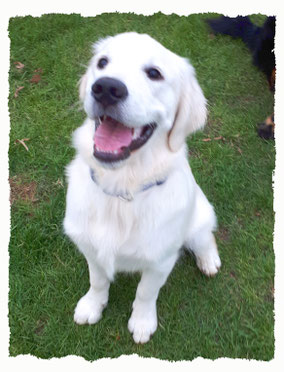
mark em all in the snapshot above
pixel 145 234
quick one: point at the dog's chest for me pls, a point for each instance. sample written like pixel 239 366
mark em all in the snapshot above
pixel 125 237
pixel 118 237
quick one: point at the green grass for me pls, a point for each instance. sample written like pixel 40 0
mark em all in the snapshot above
pixel 230 315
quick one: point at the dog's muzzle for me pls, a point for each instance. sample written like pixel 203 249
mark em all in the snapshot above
pixel 113 140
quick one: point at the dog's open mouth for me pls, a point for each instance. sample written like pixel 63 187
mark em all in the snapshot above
pixel 114 141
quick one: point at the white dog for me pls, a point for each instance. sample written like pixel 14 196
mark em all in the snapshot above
pixel 132 201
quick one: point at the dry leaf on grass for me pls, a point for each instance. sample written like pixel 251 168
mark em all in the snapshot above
pixel 19 65
pixel 35 79
pixel 22 142
pixel 215 139
pixel 206 139
pixel 17 91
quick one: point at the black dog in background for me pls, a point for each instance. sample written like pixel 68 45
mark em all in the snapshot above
pixel 260 41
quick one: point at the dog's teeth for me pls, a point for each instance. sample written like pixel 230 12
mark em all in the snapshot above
pixel 107 151
pixel 136 133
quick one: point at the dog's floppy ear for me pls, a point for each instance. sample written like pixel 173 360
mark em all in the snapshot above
pixel 191 111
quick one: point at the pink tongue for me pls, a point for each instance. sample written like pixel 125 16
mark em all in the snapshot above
pixel 111 135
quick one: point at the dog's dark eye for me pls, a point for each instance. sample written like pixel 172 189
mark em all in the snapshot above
pixel 102 63
pixel 153 74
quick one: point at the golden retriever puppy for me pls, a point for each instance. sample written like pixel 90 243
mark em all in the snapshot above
pixel 132 201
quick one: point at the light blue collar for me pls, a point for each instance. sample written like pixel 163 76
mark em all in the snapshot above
pixel 127 196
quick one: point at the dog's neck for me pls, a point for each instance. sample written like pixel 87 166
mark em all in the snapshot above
pixel 126 195
pixel 136 176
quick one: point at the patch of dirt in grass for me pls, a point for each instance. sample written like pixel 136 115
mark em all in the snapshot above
pixel 223 234
pixel 21 190
pixel 40 326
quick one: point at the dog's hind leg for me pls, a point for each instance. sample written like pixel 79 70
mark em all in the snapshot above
pixel 200 239
pixel 203 245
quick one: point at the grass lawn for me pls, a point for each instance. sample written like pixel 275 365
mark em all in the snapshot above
pixel 231 315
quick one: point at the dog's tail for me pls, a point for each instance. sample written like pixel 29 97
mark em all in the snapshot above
pixel 238 27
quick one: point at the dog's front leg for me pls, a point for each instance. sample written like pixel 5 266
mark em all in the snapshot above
pixel 143 321
pixel 90 307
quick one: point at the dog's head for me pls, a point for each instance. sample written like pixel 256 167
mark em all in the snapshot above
pixel 135 90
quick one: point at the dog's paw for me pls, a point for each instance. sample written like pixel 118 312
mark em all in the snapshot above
pixel 209 263
pixel 89 309
pixel 142 326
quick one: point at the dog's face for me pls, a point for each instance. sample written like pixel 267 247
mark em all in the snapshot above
pixel 136 91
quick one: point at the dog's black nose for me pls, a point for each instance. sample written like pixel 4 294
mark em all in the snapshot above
pixel 109 91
